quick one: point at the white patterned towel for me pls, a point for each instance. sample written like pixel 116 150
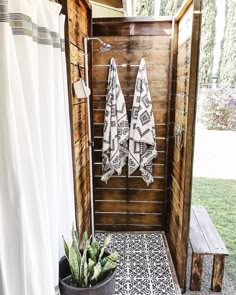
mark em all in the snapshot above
pixel 142 141
pixel 116 127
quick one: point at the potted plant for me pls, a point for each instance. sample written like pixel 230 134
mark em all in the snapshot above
pixel 87 269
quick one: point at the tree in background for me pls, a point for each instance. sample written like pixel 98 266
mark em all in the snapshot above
pixel 207 41
pixel 163 7
pixel 170 7
pixel 227 71
pixel 144 7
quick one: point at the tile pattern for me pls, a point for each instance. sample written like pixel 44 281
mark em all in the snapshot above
pixel 143 267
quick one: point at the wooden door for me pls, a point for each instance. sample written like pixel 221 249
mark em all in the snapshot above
pixel 186 37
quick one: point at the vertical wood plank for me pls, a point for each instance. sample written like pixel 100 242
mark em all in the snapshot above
pixel 196 272
pixel 217 273
pixel 190 128
pixel 183 115
pixel 171 99
pixel 74 35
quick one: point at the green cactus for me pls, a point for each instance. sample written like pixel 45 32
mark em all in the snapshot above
pixel 89 263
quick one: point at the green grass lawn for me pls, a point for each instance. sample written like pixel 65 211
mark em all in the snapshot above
pixel 219 197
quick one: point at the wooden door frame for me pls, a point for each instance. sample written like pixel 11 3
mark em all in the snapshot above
pixel 190 122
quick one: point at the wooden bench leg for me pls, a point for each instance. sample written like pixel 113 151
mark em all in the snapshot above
pixel 196 272
pixel 217 273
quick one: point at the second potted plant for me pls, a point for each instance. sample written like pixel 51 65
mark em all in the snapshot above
pixel 87 269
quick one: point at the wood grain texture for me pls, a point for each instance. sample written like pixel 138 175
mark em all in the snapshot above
pixel 184 106
pixel 128 207
pixel 138 207
pixel 157 195
pixel 196 272
pixel 196 237
pixel 136 19
pixel 128 218
pixel 172 268
pixel 175 93
pixel 79 15
pixel 129 182
pixel 78 22
pixel 205 240
pixel 113 3
pixel 132 57
pixel 132 42
pixel 218 273
pixel 128 227
pixel 131 72
pixel 149 28
pixel 204 236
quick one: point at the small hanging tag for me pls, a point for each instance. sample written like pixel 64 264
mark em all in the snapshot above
pixel 81 90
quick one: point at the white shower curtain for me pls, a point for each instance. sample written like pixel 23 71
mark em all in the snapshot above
pixel 36 180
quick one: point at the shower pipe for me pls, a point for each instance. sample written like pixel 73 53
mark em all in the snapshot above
pixel 105 47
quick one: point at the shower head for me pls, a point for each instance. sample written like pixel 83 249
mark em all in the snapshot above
pixel 105 47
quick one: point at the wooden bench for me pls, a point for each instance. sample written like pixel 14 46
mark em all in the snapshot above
pixel 205 240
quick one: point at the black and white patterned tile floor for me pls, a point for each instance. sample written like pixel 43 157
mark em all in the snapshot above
pixel 143 267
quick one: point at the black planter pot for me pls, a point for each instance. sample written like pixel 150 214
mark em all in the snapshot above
pixel 105 287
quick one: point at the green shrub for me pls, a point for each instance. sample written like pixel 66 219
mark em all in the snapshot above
pixel 219 109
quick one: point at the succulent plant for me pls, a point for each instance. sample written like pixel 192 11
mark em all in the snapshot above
pixel 89 262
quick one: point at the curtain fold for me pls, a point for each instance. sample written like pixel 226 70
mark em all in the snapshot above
pixel 36 180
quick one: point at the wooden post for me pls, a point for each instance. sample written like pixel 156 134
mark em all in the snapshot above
pixel 196 272
pixel 217 273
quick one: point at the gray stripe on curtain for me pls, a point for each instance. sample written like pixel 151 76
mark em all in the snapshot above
pixel 22 24
pixel 4 16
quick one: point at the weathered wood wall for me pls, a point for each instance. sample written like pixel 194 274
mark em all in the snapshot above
pixel 186 36
pixel 78 26
pixel 171 52
pixel 126 203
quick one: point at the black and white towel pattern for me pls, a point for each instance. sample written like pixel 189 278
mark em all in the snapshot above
pixel 143 267
pixel 142 142
pixel 116 127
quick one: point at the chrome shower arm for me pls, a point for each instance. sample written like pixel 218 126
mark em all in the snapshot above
pixel 86 39
pixel 95 38
pixel 104 48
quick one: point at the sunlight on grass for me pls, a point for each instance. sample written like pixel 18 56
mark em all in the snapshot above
pixel 219 197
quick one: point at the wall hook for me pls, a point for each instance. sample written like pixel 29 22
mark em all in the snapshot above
pixel 179 138
pixel 80 76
